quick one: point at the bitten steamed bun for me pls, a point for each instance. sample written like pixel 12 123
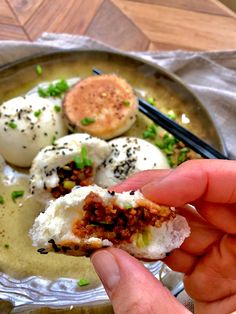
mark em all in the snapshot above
pixel 71 161
pixel 90 218
pixel 129 156
pixel 28 124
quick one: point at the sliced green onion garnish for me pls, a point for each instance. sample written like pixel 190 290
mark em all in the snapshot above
pixel 143 239
pixel 54 90
pixel 12 125
pixel 128 206
pixel 82 160
pixel 182 155
pixel 37 113
pixel 150 132
pixel 126 103
pixel 171 115
pixel 43 92
pixel 151 101
pixel 39 69
pixel 87 121
pixel 53 140
pixel 16 194
pixel 57 108
pixel 83 282
pixel 68 185
pixel 78 162
pixel 2 201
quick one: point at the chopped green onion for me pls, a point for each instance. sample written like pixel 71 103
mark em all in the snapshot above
pixel 43 92
pixel 54 90
pixel 182 155
pixel 160 144
pixel 87 121
pixel 53 140
pixel 143 239
pixel 12 125
pixel 151 101
pixel 57 108
pixel 68 185
pixel 82 160
pixel 6 246
pixel 84 156
pixel 171 115
pixel 170 161
pixel 16 194
pixel 126 103
pixel 39 69
pixel 150 132
pixel 78 162
pixel 37 113
pixel 2 200
pixel 128 206
pixel 167 143
pixel 83 282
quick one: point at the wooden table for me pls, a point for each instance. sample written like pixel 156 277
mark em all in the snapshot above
pixel 125 24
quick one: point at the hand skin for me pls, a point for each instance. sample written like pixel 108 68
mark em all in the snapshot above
pixel 207 257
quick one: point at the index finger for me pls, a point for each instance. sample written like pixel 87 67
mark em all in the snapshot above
pixel 208 180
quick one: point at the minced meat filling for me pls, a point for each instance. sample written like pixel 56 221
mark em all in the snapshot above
pixel 70 176
pixel 108 221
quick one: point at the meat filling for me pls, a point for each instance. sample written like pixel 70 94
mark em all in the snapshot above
pixel 70 176
pixel 109 221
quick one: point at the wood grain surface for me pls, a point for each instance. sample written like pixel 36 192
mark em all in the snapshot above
pixel 125 24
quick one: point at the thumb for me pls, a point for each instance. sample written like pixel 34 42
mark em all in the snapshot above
pixel 131 287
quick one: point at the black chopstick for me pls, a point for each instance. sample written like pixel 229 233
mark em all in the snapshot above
pixel 188 138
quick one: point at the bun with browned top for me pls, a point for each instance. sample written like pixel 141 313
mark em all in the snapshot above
pixel 104 106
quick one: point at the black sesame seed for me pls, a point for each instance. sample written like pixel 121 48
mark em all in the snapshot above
pixel 54 246
pixel 131 192
pixel 42 251
pixel 65 248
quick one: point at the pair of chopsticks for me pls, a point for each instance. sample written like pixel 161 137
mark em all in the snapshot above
pixel 188 138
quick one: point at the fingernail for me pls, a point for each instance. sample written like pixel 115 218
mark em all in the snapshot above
pixel 107 269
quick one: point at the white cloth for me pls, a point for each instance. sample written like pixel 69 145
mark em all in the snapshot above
pixel 211 75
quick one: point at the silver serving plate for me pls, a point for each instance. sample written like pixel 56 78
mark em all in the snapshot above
pixel 35 292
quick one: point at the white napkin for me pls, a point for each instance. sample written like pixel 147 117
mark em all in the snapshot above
pixel 211 75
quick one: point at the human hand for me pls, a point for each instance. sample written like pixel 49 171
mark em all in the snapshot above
pixel 207 257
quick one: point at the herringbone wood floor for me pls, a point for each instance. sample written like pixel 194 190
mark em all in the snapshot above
pixel 126 24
